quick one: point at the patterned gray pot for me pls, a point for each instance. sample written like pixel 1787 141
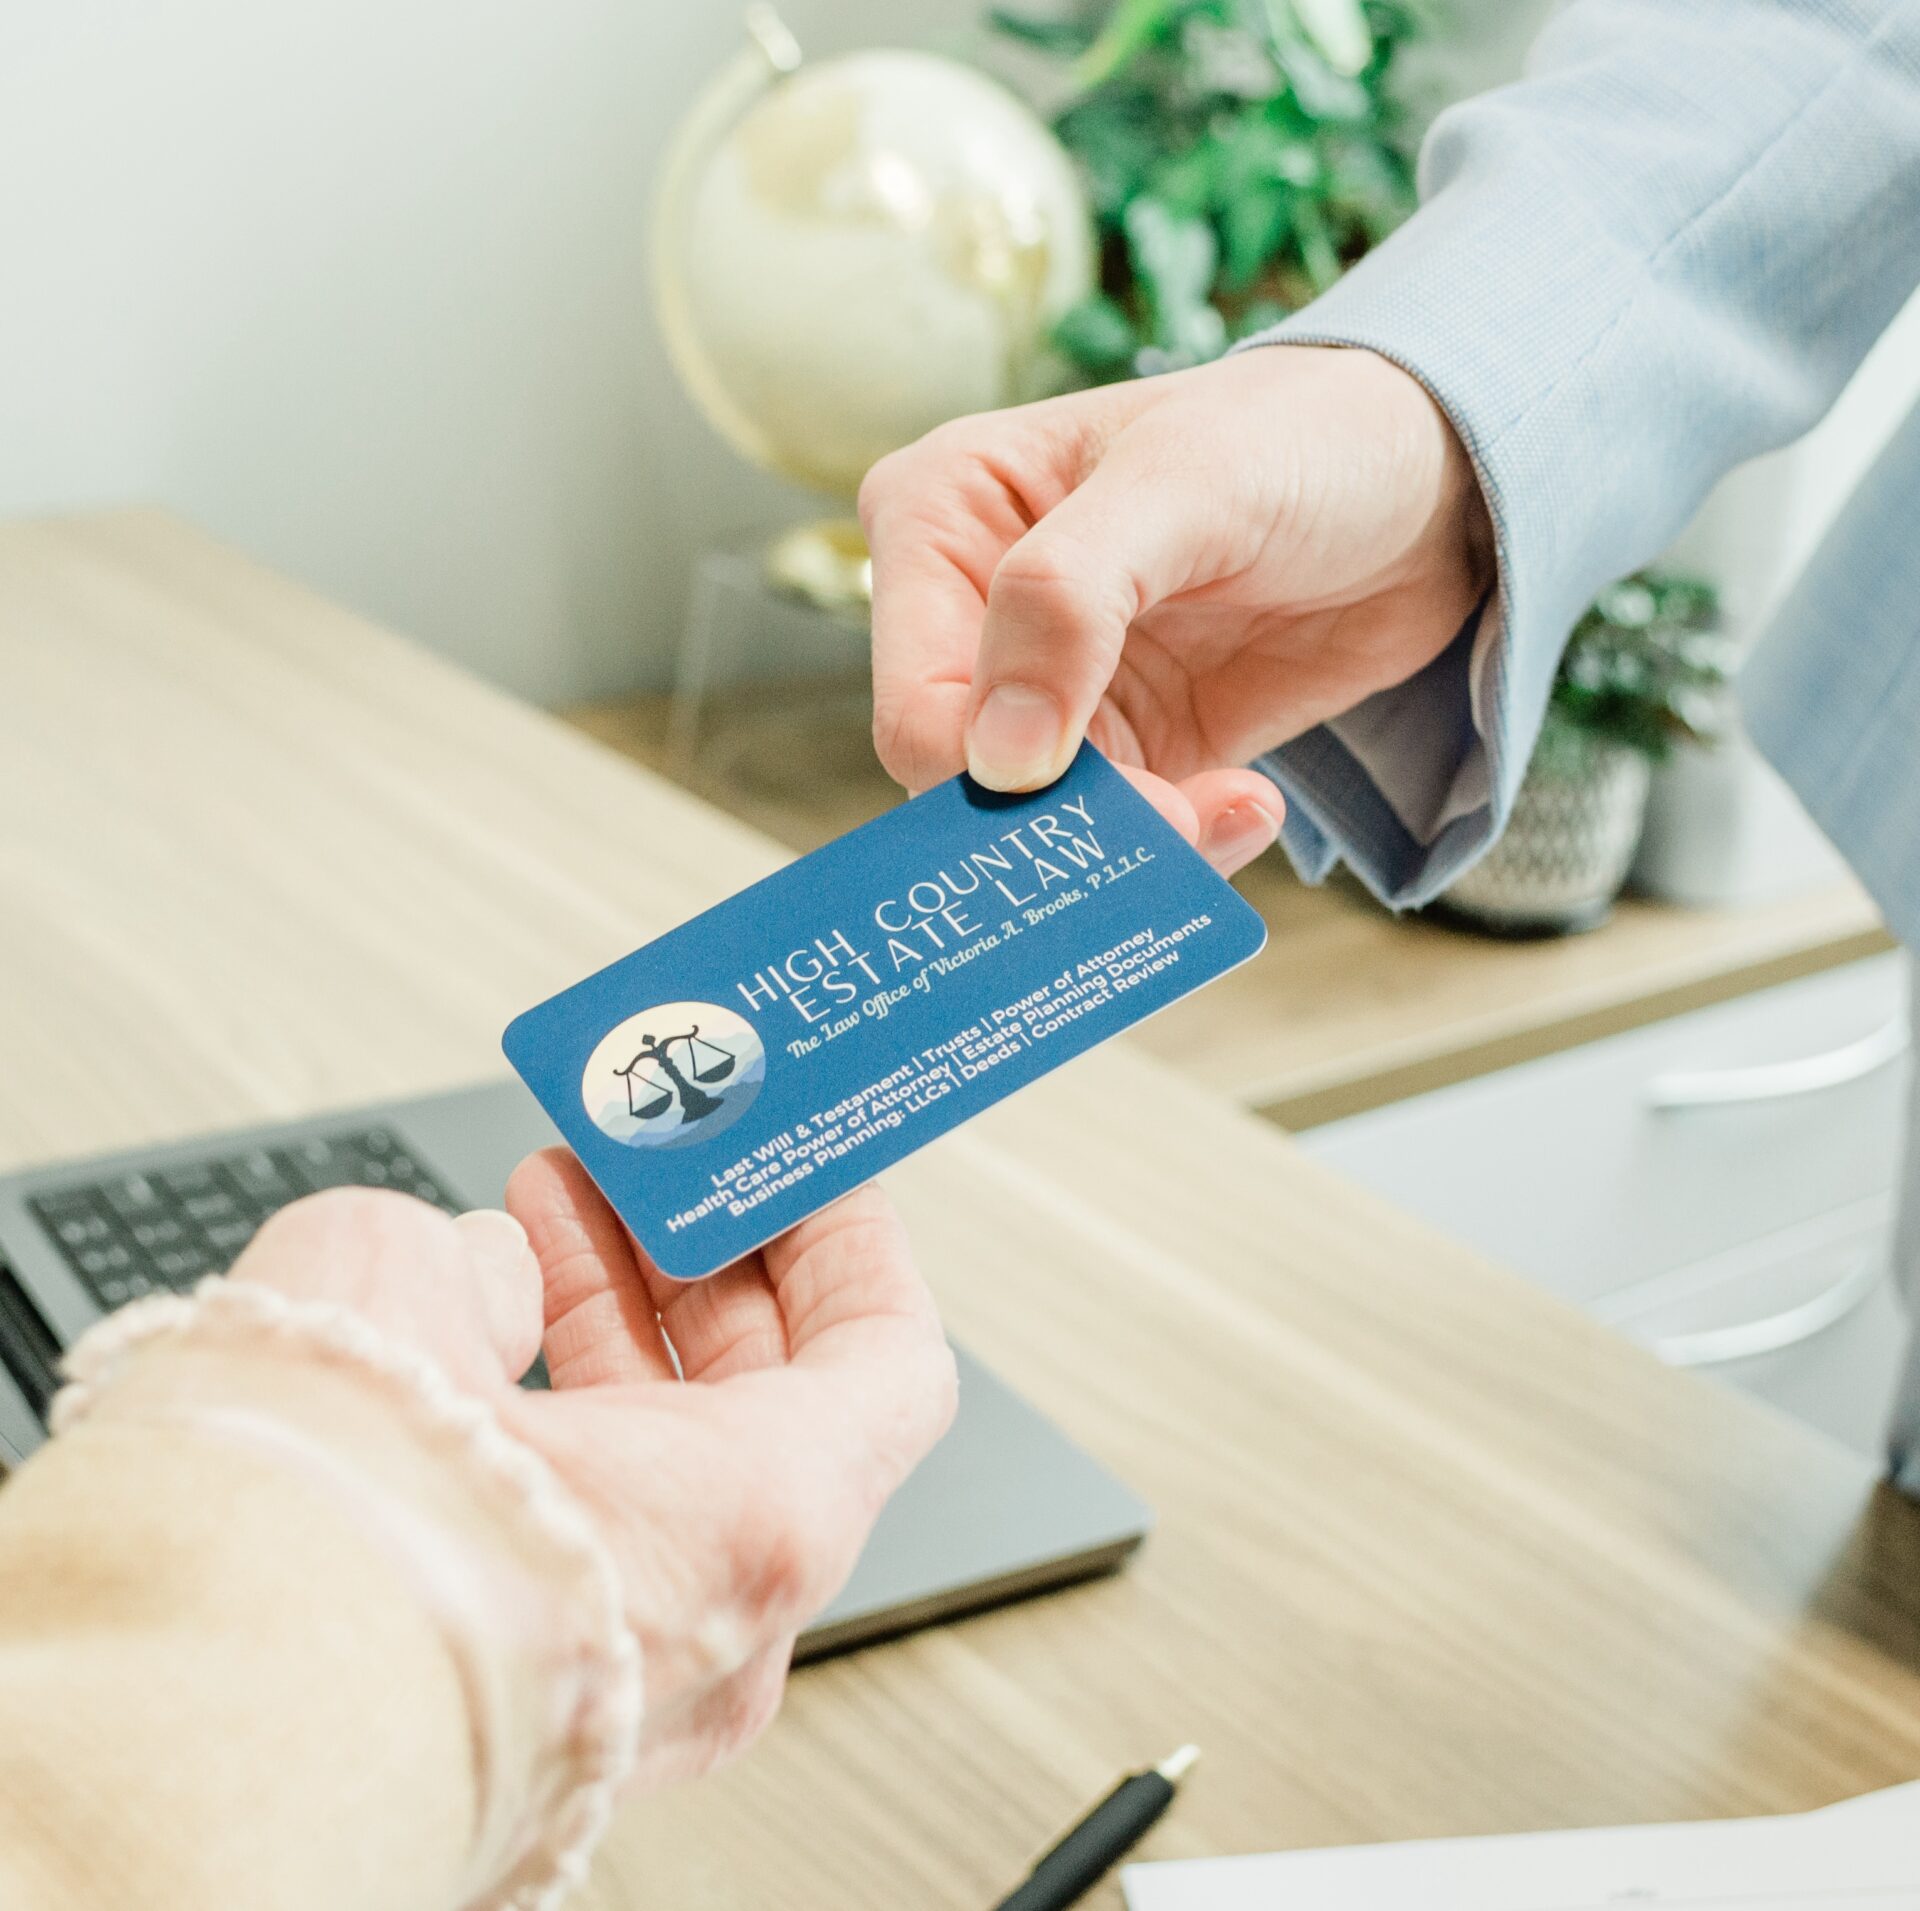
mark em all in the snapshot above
pixel 1575 826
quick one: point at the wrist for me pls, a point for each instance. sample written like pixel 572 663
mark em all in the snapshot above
pixel 519 1593
pixel 1464 521
pixel 1455 536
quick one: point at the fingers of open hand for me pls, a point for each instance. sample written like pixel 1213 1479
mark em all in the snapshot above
pixel 738 1507
pixel 865 1338
pixel 713 1723
pixel 602 1325
pixel 734 1512
pixel 502 1261
pixel 611 1313
pixel 784 1506
pixel 728 1324
pixel 466 1292
pixel 777 1470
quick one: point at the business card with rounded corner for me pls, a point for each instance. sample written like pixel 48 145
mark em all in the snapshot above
pixel 734 1077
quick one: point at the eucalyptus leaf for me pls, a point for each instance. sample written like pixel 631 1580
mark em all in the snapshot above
pixel 1097 335
pixel 1230 61
pixel 1134 25
pixel 1338 28
pixel 1235 165
pixel 1252 226
pixel 1645 666
pixel 1174 258
pixel 1263 149
pixel 1323 93
pixel 1191 183
pixel 1054 36
pixel 1261 315
pixel 1629 604
pixel 1318 253
pixel 1369 180
pixel 1120 146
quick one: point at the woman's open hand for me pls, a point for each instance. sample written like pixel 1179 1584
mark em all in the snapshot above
pixel 735 1488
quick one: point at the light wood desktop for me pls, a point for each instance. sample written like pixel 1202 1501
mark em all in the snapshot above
pixel 1435 1554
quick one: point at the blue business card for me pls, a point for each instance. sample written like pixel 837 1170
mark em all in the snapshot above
pixel 732 1078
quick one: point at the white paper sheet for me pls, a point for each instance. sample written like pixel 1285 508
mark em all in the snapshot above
pixel 1861 1855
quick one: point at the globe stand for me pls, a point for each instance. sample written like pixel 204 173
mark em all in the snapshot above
pixel 755 624
pixel 970 237
pixel 826 563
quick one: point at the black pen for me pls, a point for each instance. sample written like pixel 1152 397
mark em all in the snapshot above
pixel 1102 1838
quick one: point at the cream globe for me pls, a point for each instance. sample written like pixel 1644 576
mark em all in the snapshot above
pixel 851 252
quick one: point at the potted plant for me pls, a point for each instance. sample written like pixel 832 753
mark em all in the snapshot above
pixel 1645 668
pixel 1240 154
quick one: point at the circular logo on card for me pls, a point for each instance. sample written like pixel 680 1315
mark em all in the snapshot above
pixel 673 1075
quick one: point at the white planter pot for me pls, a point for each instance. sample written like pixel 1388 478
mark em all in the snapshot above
pixel 1723 831
pixel 1568 846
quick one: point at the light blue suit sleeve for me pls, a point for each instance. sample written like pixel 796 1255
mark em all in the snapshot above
pixel 1659 254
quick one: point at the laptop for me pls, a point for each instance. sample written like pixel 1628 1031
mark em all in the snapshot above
pixel 1004 1506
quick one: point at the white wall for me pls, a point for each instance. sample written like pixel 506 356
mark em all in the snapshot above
pixel 361 286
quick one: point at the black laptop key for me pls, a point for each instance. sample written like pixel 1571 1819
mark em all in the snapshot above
pixel 183 1183
pixel 77 1229
pixel 256 1176
pixel 115 1290
pixel 180 1267
pixel 320 1164
pixel 57 1203
pixel 134 1198
pixel 140 1234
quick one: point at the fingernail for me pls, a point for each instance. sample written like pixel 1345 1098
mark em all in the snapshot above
pixel 1240 832
pixel 495 1237
pixel 1018 739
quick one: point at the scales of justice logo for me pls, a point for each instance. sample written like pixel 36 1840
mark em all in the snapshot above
pixel 673 1075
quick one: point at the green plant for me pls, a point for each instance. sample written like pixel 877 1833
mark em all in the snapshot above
pixel 1644 667
pixel 1241 155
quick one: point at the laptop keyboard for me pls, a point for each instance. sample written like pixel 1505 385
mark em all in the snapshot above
pixel 138 1234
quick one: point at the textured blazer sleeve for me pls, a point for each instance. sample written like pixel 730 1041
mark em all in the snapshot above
pixel 1660 253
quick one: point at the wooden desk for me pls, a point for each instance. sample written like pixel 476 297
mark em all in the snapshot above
pixel 1346 1008
pixel 1435 1555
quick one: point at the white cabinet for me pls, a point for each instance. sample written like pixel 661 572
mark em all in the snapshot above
pixel 1718 1186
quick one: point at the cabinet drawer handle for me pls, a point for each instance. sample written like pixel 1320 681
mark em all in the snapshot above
pixel 1770 1333
pixel 1778 1081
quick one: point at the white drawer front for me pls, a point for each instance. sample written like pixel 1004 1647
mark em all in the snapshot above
pixel 1571 1171
pixel 1719 1187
